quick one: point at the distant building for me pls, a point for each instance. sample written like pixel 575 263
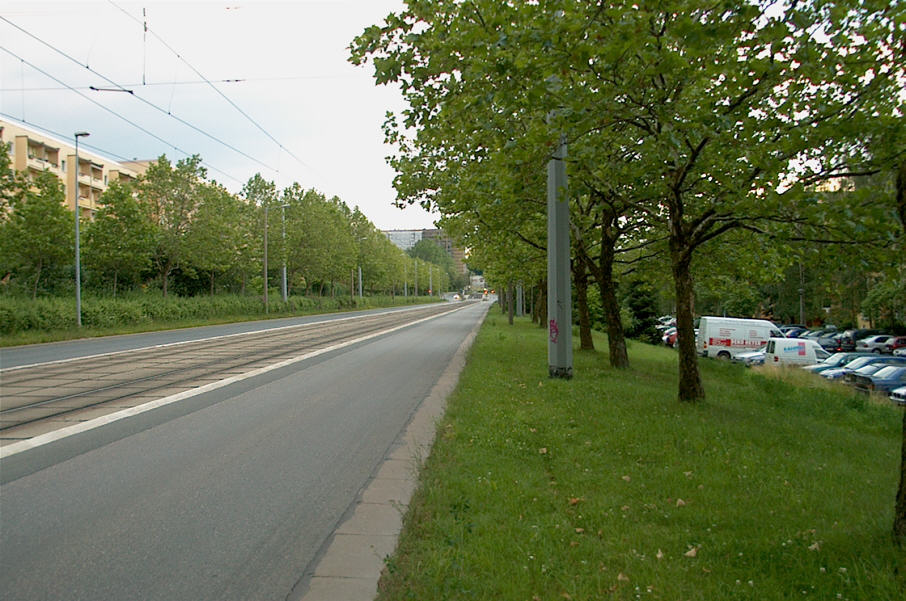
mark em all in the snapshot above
pixel 33 152
pixel 406 239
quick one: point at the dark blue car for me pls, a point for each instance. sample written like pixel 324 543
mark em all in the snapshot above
pixel 884 380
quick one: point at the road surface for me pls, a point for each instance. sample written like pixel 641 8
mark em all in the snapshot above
pixel 228 494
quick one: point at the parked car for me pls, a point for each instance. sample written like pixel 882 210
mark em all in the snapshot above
pixel 832 342
pixel 793 351
pixel 869 370
pixel 750 358
pixel 835 360
pixel 859 363
pixel 794 332
pixel 897 343
pixel 669 336
pixel 884 380
pixel 900 352
pixel 874 344
pixel 898 395
pixel 849 338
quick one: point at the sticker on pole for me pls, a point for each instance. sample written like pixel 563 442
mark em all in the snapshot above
pixel 555 331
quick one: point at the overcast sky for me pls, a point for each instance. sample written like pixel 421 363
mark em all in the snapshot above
pixel 297 86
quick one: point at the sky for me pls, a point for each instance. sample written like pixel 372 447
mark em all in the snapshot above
pixel 301 112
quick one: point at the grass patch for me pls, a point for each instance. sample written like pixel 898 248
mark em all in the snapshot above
pixel 27 321
pixel 606 487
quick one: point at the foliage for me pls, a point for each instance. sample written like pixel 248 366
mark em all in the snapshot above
pixel 172 194
pixel 119 243
pixel 39 234
pixel 688 121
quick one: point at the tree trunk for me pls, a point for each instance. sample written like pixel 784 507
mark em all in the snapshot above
pixel 165 277
pixel 212 282
pixel 899 514
pixel 114 283
pixel 690 382
pixel 586 343
pixel 541 304
pixel 34 288
pixel 616 338
pixel 510 302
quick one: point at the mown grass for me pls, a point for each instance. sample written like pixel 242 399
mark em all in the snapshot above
pixel 27 321
pixel 606 487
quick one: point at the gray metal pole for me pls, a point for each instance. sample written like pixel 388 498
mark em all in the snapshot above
pixel 405 280
pixel 283 217
pixel 266 308
pixel 78 259
pixel 416 278
pixel 559 293
pixel 430 280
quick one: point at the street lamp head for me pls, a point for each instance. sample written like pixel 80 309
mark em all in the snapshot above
pixel 81 134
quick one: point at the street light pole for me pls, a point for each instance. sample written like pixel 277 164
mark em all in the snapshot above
pixel 283 215
pixel 78 261
pixel 266 308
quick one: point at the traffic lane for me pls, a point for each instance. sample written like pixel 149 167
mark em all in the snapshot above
pixel 232 501
pixel 17 356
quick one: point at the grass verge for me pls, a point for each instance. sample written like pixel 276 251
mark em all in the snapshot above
pixel 24 321
pixel 606 487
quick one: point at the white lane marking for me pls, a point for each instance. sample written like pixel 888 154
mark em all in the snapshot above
pixel 43 439
pixel 168 344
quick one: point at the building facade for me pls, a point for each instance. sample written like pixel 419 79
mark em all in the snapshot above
pixel 32 152
pixel 406 239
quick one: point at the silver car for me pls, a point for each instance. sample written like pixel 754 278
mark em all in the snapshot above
pixel 874 344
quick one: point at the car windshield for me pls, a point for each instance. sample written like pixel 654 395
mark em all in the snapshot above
pixel 890 371
pixel 836 359
pixel 860 362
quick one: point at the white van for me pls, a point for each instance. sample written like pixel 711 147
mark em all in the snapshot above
pixel 794 351
pixel 726 337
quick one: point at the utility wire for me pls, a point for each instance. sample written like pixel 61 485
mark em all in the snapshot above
pixel 132 86
pixel 216 89
pixel 62 136
pixel 112 112
pixel 120 88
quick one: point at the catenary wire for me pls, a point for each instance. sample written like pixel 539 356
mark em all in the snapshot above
pixel 132 93
pixel 114 113
pixel 215 88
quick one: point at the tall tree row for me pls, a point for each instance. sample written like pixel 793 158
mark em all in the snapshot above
pixel 685 122
pixel 175 228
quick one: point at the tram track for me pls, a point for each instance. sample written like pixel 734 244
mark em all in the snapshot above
pixel 42 397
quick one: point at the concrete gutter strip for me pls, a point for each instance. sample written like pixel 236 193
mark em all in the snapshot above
pixel 351 564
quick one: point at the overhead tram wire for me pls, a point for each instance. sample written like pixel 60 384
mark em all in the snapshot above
pixel 215 88
pixel 114 113
pixel 63 136
pixel 120 88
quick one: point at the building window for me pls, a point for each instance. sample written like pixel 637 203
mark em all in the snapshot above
pixel 63 164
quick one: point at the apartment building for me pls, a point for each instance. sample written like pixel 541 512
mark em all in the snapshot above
pixel 32 152
pixel 406 239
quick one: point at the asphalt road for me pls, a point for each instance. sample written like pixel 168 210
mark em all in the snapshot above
pixel 229 496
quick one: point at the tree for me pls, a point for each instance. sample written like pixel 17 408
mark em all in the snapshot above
pixel 701 119
pixel 173 194
pixel 120 242
pixel 39 233
pixel 215 237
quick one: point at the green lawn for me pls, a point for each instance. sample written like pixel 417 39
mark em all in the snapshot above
pixel 606 487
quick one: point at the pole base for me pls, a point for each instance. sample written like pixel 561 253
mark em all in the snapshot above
pixel 564 373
